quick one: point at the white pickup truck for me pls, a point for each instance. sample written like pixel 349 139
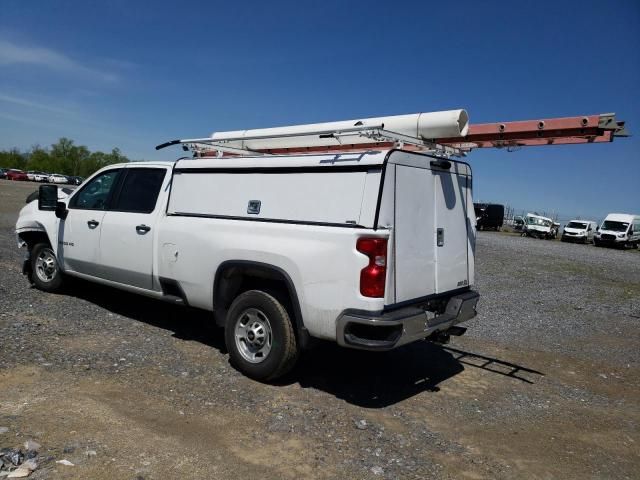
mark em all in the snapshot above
pixel 371 249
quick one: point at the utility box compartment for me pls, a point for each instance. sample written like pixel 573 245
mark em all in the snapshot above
pixel 311 189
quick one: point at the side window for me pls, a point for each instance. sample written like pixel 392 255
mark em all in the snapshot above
pixel 95 194
pixel 139 191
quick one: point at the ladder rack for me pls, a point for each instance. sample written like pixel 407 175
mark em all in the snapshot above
pixel 451 132
pixel 380 138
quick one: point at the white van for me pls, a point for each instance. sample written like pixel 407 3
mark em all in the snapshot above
pixel 582 231
pixel 619 229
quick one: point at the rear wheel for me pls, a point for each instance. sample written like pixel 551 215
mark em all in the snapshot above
pixel 46 273
pixel 260 337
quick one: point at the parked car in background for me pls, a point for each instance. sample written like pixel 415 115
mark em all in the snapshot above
pixel 489 215
pixel 75 180
pixel 56 178
pixel 581 231
pixel 40 177
pixel 3 173
pixel 619 230
pixel 15 174
pixel 538 226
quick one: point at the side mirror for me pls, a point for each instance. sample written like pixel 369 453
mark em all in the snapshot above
pixel 47 197
pixel 61 210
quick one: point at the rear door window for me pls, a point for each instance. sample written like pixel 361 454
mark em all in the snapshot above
pixel 139 190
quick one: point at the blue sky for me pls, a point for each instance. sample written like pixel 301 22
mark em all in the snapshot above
pixel 134 74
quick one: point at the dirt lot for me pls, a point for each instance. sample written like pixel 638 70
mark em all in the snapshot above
pixel 545 384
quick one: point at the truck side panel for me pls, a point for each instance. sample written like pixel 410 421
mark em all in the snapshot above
pixel 321 261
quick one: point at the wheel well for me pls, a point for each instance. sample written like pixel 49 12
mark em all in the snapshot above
pixel 236 277
pixel 33 238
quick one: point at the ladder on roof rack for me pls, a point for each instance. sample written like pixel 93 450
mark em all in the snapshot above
pixel 510 135
pixel 380 138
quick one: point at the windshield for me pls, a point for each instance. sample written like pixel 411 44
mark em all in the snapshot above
pixel 615 226
pixel 538 221
pixel 579 225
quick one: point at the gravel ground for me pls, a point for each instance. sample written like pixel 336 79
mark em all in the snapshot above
pixel 544 384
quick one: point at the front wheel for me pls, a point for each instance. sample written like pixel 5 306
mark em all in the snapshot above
pixel 259 336
pixel 45 271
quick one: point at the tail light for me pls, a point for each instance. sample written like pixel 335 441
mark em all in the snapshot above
pixel 372 277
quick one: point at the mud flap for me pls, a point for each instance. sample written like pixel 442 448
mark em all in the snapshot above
pixel 26 266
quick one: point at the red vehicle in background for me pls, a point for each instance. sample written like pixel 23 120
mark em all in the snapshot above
pixel 13 174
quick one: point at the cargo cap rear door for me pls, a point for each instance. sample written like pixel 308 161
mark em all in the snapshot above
pixel 431 226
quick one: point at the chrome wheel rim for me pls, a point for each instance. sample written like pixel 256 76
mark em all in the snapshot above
pixel 253 335
pixel 46 265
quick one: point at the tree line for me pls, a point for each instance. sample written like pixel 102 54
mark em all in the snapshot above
pixel 62 157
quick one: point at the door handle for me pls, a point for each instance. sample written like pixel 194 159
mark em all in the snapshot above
pixel 142 229
pixel 93 224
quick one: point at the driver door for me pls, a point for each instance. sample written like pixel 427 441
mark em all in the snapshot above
pixel 79 233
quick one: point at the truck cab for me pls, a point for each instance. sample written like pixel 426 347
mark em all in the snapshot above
pixel 102 231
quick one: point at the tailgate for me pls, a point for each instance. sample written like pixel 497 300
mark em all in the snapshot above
pixel 431 228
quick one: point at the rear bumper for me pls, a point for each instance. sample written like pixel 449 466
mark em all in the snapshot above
pixel 388 330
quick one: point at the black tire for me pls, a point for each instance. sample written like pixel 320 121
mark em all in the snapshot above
pixel 45 272
pixel 265 320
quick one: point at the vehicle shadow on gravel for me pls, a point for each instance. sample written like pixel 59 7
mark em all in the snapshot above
pixel 185 323
pixel 376 379
pixel 365 379
pixel 381 379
